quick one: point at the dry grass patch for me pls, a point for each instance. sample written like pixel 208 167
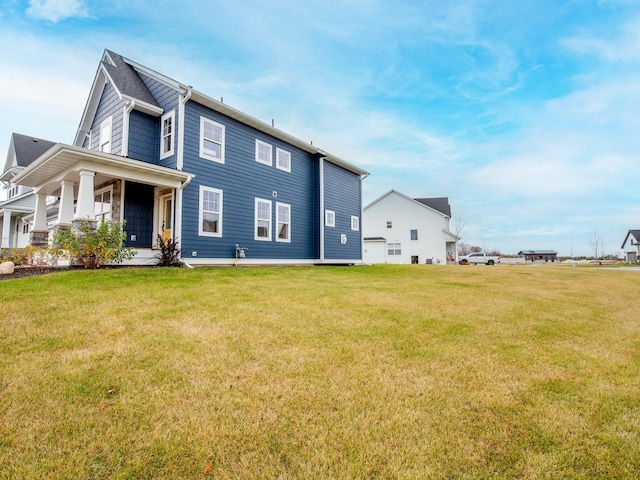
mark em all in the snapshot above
pixel 390 371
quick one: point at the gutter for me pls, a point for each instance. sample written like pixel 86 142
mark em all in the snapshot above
pixel 178 207
pixel 181 117
pixel 125 128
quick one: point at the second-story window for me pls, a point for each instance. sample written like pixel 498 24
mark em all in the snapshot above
pixel 263 152
pixel 283 160
pixel 167 137
pixel 414 234
pixel 105 136
pixel 355 223
pixel 13 191
pixel 211 140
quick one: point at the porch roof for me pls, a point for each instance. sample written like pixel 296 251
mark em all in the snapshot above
pixel 63 162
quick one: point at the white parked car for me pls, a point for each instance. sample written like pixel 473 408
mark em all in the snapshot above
pixel 478 257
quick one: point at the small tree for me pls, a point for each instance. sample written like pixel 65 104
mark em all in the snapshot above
pixel 94 248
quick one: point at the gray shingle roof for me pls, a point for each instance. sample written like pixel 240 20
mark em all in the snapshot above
pixel 537 252
pixel 29 148
pixel 440 204
pixel 127 81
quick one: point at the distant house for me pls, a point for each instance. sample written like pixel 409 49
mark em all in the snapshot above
pixel 539 255
pixel 401 229
pixel 172 161
pixel 631 246
pixel 16 212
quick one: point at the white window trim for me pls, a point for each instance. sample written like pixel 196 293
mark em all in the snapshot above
pixel 172 116
pixel 264 144
pixel 278 239
pixel 201 232
pixel 255 216
pixel 101 191
pixel 107 122
pixel 203 154
pixel 329 218
pixel 355 223
pixel 278 152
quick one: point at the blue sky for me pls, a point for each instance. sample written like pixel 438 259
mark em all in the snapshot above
pixel 526 114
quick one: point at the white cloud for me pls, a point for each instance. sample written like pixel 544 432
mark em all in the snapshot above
pixel 622 48
pixel 56 10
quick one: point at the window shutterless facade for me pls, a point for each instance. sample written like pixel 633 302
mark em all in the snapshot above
pixel 283 160
pixel 167 136
pixel 262 219
pixel 330 218
pixel 263 152
pixel 355 223
pixel 210 222
pixel 283 222
pixel 414 234
pixel 211 140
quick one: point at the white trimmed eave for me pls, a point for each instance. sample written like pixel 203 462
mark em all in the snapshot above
pixel 144 107
pixel 9 174
pixel 91 106
pixel 268 129
pixel 63 162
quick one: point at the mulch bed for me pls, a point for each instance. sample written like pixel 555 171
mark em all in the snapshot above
pixel 29 271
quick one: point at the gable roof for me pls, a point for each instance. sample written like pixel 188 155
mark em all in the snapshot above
pixel 125 79
pixel 124 75
pixel 23 150
pixel 440 204
pixel 431 203
pixel 635 234
pixel 28 148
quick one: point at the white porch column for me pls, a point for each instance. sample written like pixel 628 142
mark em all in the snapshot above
pixel 65 210
pixel 85 206
pixel 6 230
pixel 40 213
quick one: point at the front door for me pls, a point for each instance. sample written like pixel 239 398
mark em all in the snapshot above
pixel 167 217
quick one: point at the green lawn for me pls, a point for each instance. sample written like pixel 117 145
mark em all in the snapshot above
pixel 321 372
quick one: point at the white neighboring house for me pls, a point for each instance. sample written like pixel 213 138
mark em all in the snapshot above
pixel 16 212
pixel 631 246
pixel 401 229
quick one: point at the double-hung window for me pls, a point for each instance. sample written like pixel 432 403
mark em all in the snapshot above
pixel 210 224
pixel 211 140
pixel 105 136
pixel 414 234
pixel 263 152
pixel 263 219
pixel 102 204
pixel 283 219
pixel 283 160
pixel 394 248
pixel 167 137
pixel 355 223
pixel 330 218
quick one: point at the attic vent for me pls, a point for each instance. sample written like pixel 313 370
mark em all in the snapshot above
pixel 35 140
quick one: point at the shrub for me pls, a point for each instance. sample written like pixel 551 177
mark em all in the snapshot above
pixel 94 248
pixel 169 255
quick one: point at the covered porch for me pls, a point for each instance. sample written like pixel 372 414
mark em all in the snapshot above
pixel 99 186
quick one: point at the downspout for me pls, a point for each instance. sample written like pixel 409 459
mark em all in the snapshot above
pixel 125 128
pixel 321 186
pixel 181 108
pixel 177 230
pixel 362 178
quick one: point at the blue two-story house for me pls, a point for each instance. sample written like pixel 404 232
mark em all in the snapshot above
pixel 172 161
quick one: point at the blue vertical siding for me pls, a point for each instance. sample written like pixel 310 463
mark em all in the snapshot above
pixel 242 179
pixel 342 195
pixel 168 98
pixel 144 137
pixel 109 105
pixel 138 214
